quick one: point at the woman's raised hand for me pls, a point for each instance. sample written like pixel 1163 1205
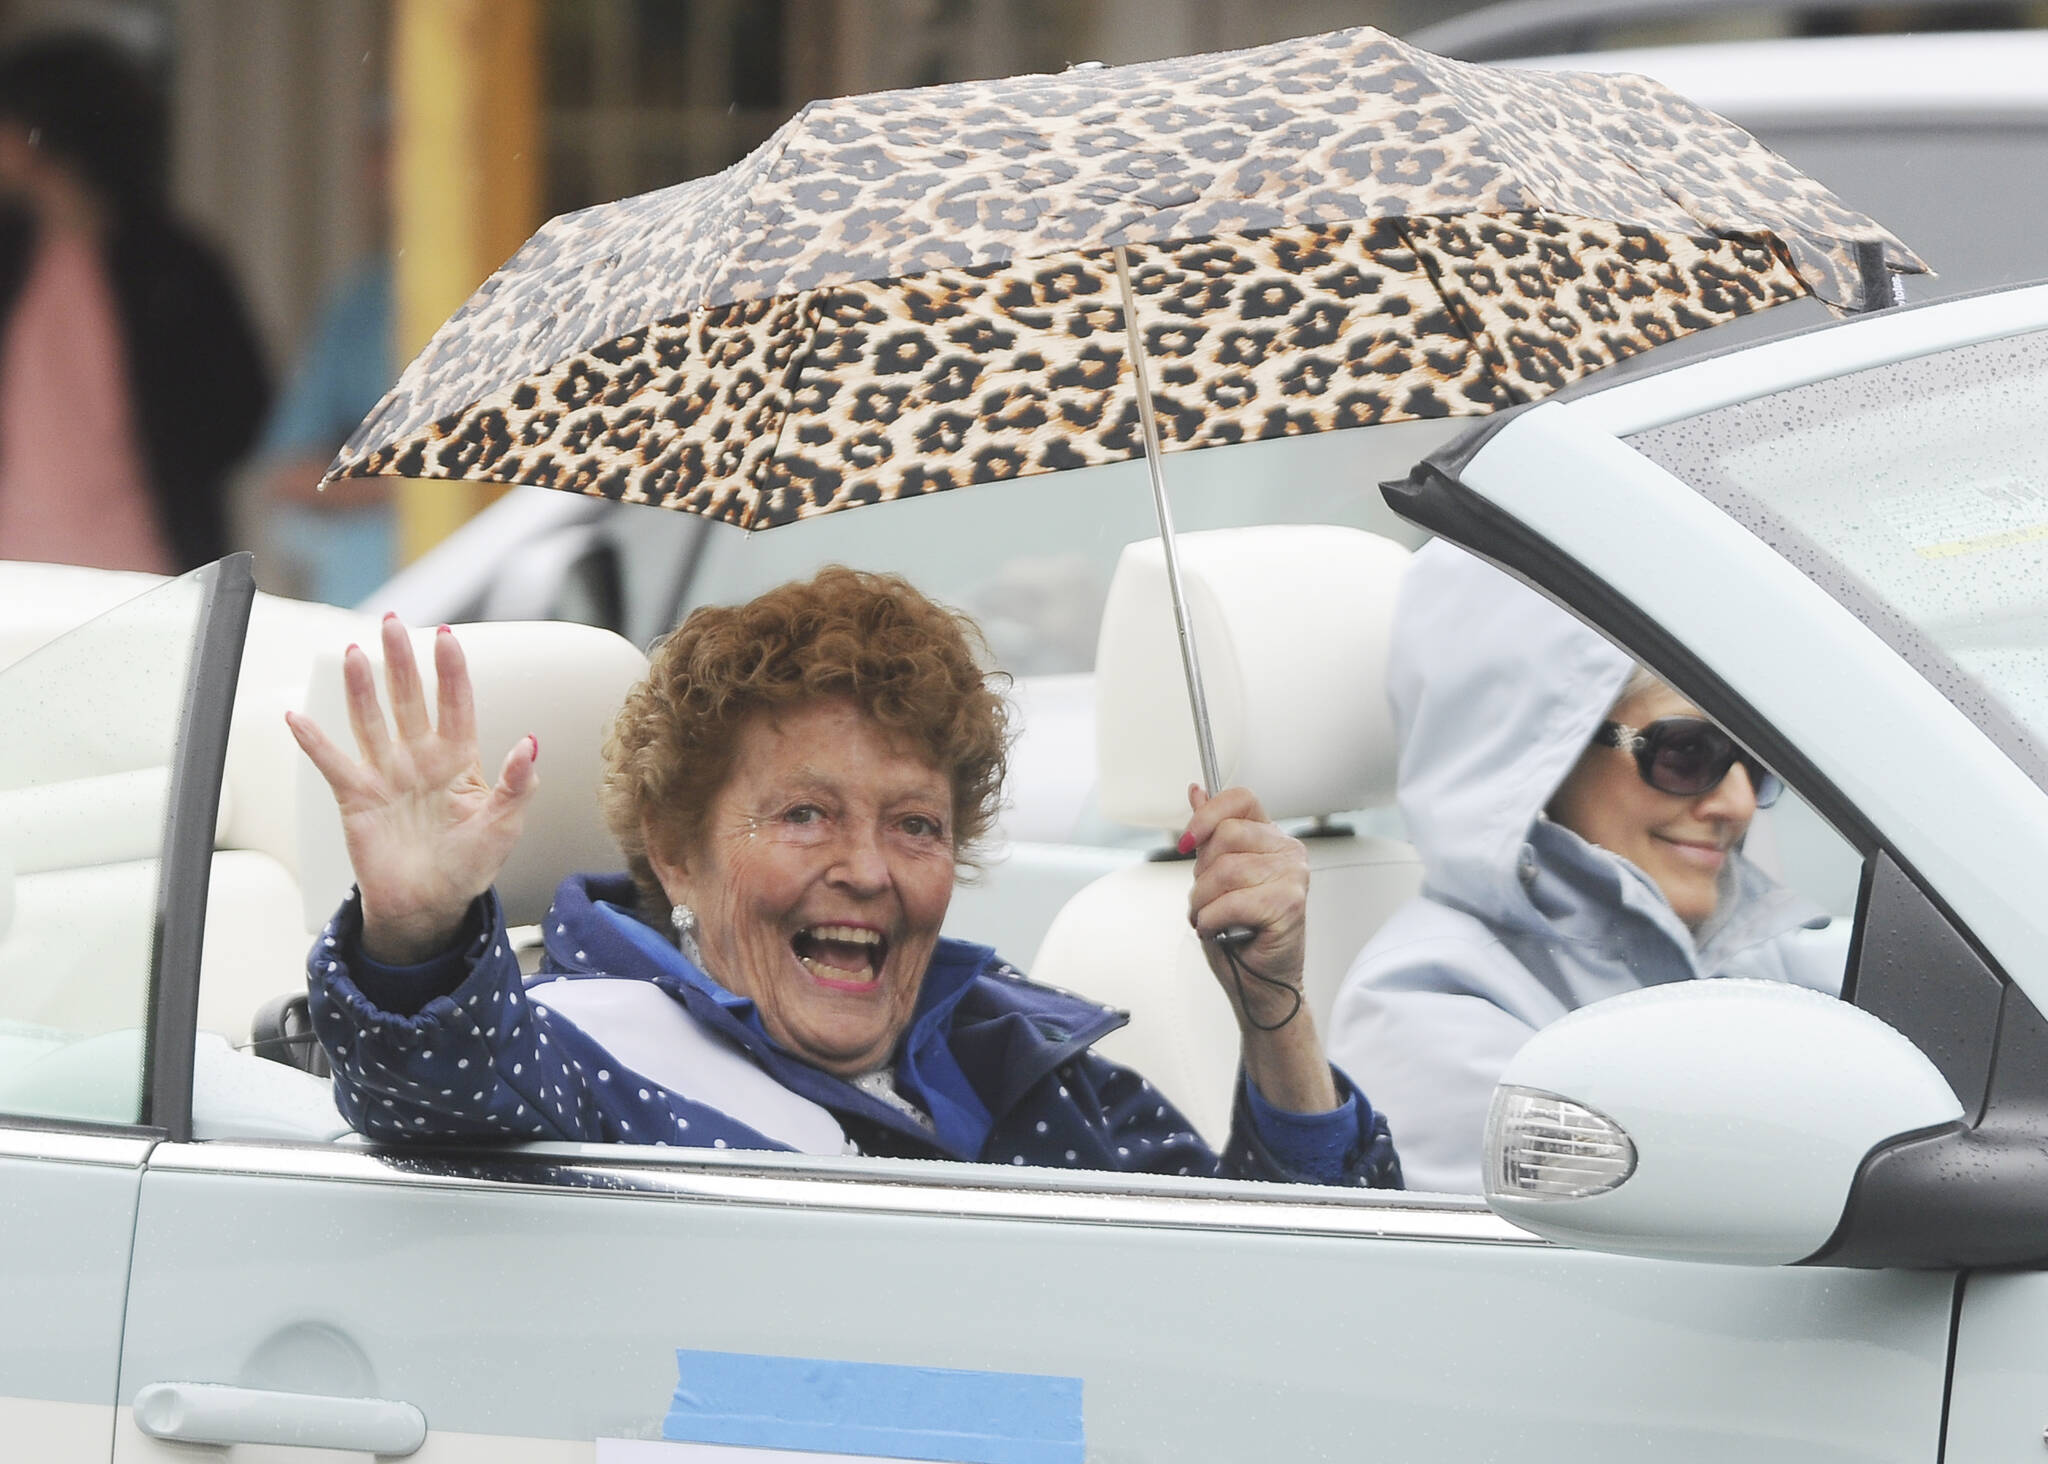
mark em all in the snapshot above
pixel 1249 873
pixel 426 833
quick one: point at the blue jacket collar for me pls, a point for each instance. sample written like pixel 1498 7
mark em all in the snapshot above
pixel 980 1037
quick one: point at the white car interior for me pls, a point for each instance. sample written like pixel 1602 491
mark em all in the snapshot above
pixel 1299 715
pixel 81 870
pixel 561 683
pixel 1293 623
pixel 84 777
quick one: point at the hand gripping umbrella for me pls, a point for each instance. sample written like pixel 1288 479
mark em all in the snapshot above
pixel 915 291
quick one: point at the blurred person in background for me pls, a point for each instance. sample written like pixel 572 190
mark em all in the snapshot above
pixel 339 543
pixel 131 381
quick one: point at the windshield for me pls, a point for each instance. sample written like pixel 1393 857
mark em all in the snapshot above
pixel 89 729
pixel 1916 494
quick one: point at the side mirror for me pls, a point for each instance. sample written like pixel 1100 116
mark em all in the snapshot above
pixel 1704 1120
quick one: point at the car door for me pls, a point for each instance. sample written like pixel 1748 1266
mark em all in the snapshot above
pixel 526 1303
pixel 111 740
pixel 521 1305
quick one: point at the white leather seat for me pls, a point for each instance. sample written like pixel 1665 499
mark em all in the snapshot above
pixel 83 847
pixel 78 870
pixel 284 866
pixel 562 683
pixel 280 867
pixel 1292 622
pixel 256 934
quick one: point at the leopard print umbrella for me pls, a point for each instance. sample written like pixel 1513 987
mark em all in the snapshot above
pixel 913 291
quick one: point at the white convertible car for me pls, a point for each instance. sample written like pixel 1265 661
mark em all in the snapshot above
pixel 1811 1229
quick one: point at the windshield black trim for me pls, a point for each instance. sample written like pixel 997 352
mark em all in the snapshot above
pixel 187 868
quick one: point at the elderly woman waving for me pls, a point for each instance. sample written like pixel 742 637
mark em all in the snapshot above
pixel 794 785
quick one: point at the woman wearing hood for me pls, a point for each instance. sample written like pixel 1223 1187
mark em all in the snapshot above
pixel 1580 825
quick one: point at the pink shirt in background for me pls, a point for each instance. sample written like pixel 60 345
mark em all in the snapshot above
pixel 73 485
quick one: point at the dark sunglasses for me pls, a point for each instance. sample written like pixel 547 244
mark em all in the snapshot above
pixel 1688 756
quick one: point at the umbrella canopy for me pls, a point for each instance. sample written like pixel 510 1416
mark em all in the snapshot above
pixel 914 291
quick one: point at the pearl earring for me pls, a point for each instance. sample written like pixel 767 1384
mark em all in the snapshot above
pixel 684 919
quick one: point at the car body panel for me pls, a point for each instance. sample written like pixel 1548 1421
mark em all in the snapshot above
pixel 1998 1411
pixel 119 722
pixel 1203 1328
pixel 66 1224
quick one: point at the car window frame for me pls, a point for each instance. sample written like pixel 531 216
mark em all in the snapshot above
pixel 926 1188
pixel 185 861
pixel 186 873
pixel 1913 961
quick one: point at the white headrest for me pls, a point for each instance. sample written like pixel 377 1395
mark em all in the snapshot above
pixel 562 683
pixel 259 809
pixel 80 823
pixel 1292 623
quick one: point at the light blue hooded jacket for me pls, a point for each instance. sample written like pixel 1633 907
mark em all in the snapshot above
pixel 1496 693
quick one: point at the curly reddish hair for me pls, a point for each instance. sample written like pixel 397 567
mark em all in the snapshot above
pixel 912 665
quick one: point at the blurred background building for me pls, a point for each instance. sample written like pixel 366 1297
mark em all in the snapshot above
pixel 333 148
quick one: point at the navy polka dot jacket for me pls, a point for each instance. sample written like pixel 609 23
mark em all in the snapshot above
pixel 454 1048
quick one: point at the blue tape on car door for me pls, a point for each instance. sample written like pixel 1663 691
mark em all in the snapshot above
pixel 934 1413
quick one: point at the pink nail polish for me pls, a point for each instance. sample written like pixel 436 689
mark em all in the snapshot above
pixel 1187 844
pixel 390 614
pixel 536 747
pixel 443 630
pixel 352 646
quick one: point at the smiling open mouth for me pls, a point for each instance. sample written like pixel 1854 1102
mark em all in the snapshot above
pixel 841 955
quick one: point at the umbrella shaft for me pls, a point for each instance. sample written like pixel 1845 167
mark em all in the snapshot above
pixel 1148 422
